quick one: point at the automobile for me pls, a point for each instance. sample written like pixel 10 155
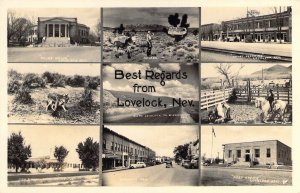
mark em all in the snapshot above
pixel 186 163
pixel 138 165
pixel 194 163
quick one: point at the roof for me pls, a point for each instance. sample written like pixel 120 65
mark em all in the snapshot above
pixel 256 142
pixel 258 17
pixel 68 19
pixel 123 137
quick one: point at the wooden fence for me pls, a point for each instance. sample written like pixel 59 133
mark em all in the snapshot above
pixel 210 98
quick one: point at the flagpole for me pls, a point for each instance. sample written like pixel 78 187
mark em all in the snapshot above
pixel 212 143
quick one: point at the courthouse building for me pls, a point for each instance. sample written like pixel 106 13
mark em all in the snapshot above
pixel 120 151
pixel 268 152
pixel 60 31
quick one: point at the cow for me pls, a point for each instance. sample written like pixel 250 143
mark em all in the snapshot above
pixel 264 105
pixel 280 107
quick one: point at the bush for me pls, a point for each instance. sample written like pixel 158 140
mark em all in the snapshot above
pixel 23 96
pixel 93 85
pixel 87 98
pixel 12 74
pixel 13 86
pixel 33 81
pixel 60 82
pixel 76 81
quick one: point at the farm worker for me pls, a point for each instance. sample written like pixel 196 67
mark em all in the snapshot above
pixel 227 110
pixel 219 111
pixel 271 99
pixel 149 43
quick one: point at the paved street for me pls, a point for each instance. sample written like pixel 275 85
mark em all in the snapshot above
pixel 260 51
pixel 218 176
pixel 54 54
pixel 157 175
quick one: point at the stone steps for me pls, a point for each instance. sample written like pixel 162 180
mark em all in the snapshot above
pixel 56 42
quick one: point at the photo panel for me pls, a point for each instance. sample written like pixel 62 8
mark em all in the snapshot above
pixel 151 93
pixel 246 93
pixel 140 155
pixel 53 35
pixel 50 93
pixel 246 34
pixel 244 156
pixel 51 155
pixel 151 34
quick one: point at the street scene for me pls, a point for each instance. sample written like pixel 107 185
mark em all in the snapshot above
pixel 65 93
pixel 58 158
pixel 151 34
pixel 233 156
pixel 246 34
pixel 137 156
pixel 151 93
pixel 53 35
pixel 246 93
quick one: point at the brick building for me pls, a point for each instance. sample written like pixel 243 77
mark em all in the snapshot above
pixel 258 152
pixel 211 32
pixel 263 28
pixel 120 151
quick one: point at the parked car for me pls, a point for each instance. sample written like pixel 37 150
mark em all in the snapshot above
pixel 194 163
pixel 138 165
pixel 186 163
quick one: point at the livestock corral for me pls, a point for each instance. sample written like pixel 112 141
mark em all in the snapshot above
pixel 164 48
pixel 247 105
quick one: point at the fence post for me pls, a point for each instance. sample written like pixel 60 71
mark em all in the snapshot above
pixel 277 92
pixel 288 95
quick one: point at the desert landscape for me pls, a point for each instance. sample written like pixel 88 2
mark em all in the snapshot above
pixel 28 97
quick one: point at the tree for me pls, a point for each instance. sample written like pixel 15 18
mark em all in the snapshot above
pixel 228 72
pixel 17 151
pixel 181 152
pixel 17 27
pixel 88 152
pixel 60 153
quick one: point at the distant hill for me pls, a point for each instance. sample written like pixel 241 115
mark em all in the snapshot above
pixel 111 96
pixel 274 71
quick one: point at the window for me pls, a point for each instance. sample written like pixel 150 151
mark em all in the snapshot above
pixel 116 146
pixel 131 150
pixel 104 143
pixel 268 152
pixel 257 152
pixel 112 145
pixel 229 153
pixel 119 147
pixel 238 153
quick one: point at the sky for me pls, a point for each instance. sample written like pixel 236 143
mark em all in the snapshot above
pixel 161 139
pixel 43 138
pixel 87 16
pixel 219 14
pixel 113 17
pixel 236 134
pixel 68 69
pixel 180 88
pixel 208 69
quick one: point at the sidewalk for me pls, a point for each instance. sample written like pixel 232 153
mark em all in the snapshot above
pixel 284 50
pixel 115 169
pixel 248 168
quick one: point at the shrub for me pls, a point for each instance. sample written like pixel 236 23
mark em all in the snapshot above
pixel 33 81
pixel 180 53
pixel 76 81
pixel 59 82
pixel 87 98
pixel 23 95
pixel 170 43
pixel 13 86
pixel 12 74
pixel 93 85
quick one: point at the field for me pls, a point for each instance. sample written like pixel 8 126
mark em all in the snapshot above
pixel 244 113
pixel 36 112
pixel 165 49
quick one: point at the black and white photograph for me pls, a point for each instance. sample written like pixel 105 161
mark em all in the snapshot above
pixel 246 34
pixel 61 93
pixel 53 35
pixel 151 34
pixel 51 155
pixel 150 155
pixel 151 93
pixel 246 93
pixel 244 156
